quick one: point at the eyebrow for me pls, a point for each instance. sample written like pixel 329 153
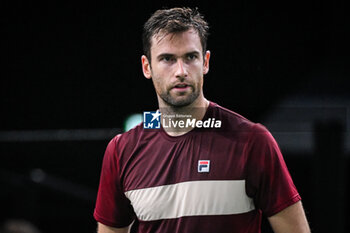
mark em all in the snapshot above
pixel 192 53
pixel 165 55
pixel 173 55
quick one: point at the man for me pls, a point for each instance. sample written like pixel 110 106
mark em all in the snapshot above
pixel 186 177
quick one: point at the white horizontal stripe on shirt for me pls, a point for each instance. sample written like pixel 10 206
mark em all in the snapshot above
pixel 192 198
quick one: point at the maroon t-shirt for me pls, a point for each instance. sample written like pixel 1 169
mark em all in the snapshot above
pixel 207 180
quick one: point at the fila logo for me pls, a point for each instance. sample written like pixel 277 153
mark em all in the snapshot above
pixel 203 165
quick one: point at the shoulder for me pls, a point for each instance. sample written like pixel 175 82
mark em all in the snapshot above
pixel 260 135
pixel 237 125
pixel 231 121
pixel 262 146
pixel 129 141
pixel 130 136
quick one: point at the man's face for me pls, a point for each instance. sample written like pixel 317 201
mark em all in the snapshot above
pixel 177 67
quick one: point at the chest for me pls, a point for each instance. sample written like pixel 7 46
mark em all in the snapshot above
pixel 157 163
pixel 198 176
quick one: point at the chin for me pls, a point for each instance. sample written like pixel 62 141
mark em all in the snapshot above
pixel 181 102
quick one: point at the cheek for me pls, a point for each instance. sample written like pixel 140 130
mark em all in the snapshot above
pixel 159 86
pixel 159 78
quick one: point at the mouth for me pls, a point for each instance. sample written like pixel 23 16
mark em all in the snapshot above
pixel 181 87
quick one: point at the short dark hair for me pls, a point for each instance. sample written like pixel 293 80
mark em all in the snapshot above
pixel 174 20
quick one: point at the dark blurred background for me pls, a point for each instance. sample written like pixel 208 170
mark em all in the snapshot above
pixel 71 75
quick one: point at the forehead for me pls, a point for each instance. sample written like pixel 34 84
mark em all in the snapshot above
pixel 176 43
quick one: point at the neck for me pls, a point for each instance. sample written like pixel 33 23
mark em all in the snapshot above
pixel 172 116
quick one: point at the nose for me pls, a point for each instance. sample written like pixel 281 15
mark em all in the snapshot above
pixel 181 70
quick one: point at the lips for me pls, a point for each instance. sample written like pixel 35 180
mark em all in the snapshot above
pixel 181 86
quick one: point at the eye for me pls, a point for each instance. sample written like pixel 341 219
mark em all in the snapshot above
pixel 167 58
pixel 191 56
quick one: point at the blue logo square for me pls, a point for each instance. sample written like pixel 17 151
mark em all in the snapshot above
pixel 151 120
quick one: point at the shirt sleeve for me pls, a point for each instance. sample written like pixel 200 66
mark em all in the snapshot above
pixel 268 179
pixel 112 208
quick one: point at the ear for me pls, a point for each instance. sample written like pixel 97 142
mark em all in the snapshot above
pixel 206 62
pixel 146 67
